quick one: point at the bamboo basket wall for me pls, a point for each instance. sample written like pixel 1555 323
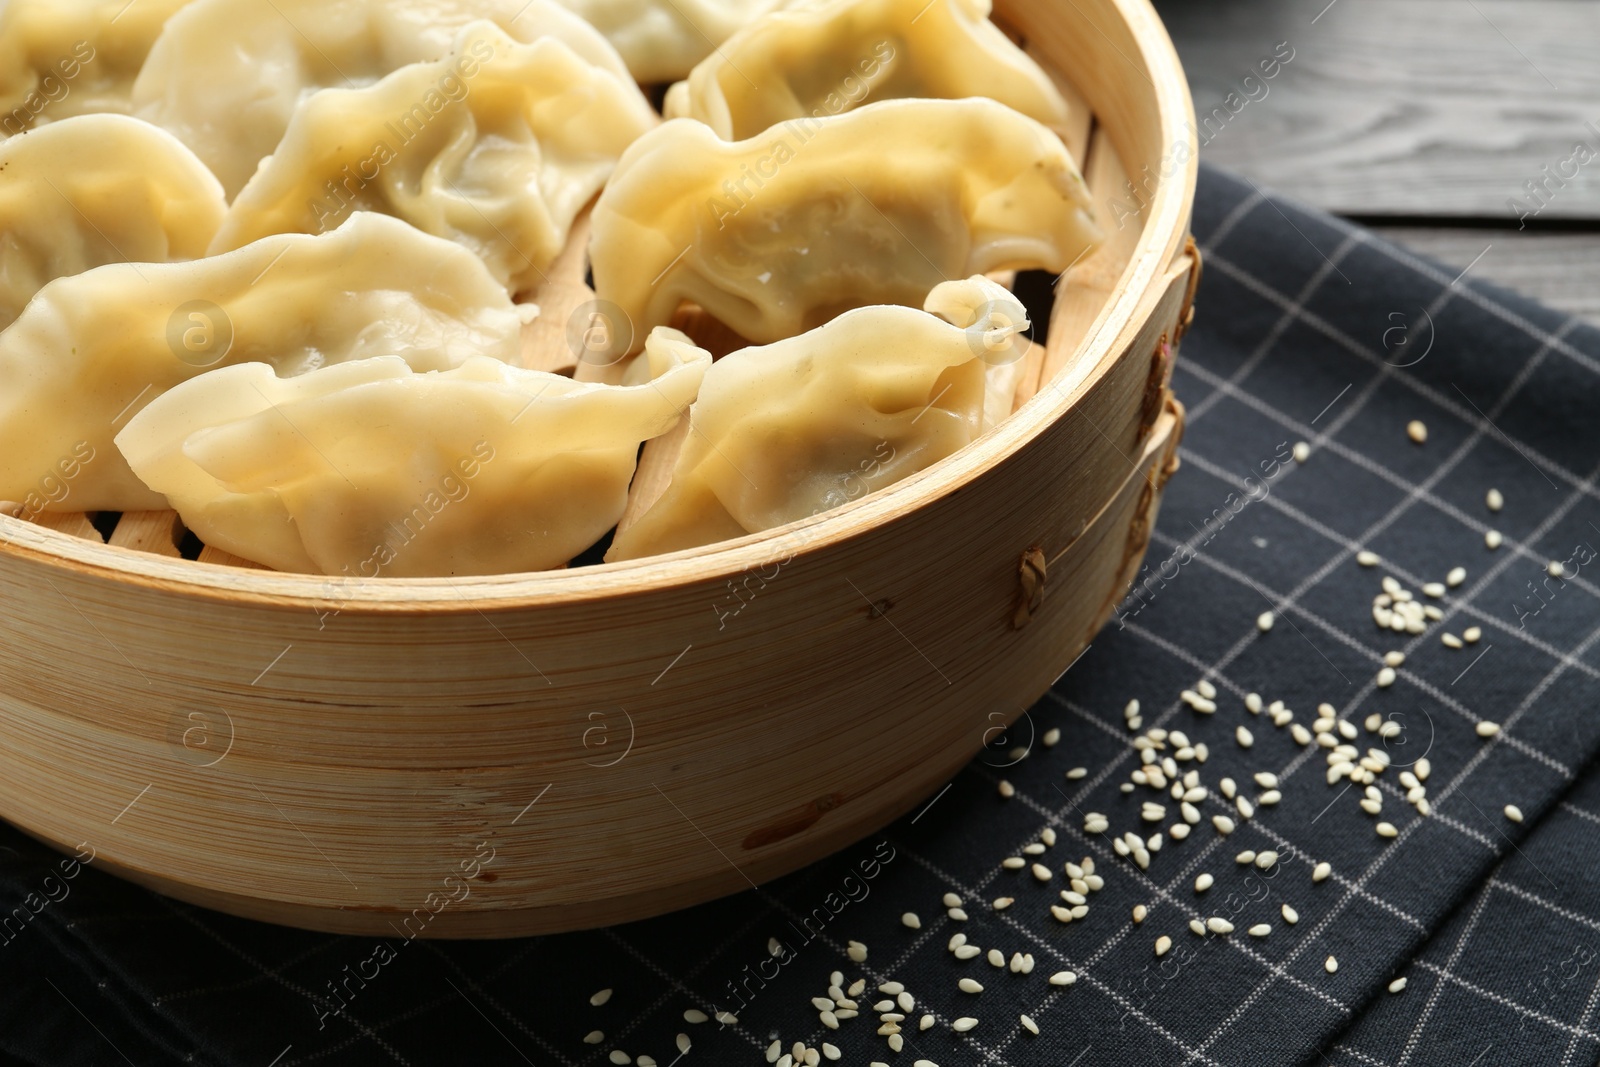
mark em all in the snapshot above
pixel 343 755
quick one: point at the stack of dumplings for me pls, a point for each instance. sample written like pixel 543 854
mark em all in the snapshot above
pixel 316 274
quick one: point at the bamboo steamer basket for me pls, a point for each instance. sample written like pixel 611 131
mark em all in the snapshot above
pixel 503 756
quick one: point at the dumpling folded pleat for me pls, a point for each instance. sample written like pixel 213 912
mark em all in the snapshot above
pixel 497 147
pixel 662 39
pixel 781 233
pixel 93 190
pixel 790 430
pixel 60 58
pixel 820 59
pixel 371 470
pixel 226 75
pixel 90 350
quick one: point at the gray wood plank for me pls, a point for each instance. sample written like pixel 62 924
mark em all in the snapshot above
pixel 1562 270
pixel 1421 107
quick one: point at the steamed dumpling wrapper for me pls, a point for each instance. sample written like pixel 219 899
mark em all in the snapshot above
pixel 226 75
pixel 60 58
pixel 370 469
pixel 92 349
pixel 779 234
pixel 793 429
pixel 98 189
pixel 662 39
pixel 833 56
pixel 497 147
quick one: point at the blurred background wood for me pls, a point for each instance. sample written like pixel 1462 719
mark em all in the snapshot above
pixel 1420 118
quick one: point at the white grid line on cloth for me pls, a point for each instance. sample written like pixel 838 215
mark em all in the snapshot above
pixel 1385 785
pixel 1282 841
pixel 1462 941
pixel 229 987
pixel 670 990
pixel 1358 1054
pixel 474 985
pixel 1427 392
pixel 1285 320
pixel 1498 882
pixel 1376 469
pixel 676 983
pixel 1583 1022
pixel 1237 214
pixel 1506 1002
pixel 1349 641
pixel 1316 526
pixel 1084 975
pixel 1407 831
pixel 1579 812
pixel 294 987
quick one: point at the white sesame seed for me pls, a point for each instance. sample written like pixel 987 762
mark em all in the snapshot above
pixel 1131 709
pixel 1163 945
pixel 1223 824
pixel 926 1022
pixel 963 1024
pixel 1386 677
pixel 1041 872
pixel 1207 690
pixel 1029 1025
pixel 1266 859
pixel 831 1051
pixel 1007 790
pixel 1390 729
pixel 829 1019
pixel 1301 735
pixel 1048 835
pixel 1493 539
pixel 1555 570
pixel 1290 916
pixel 966 952
pixel 822 1003
pixel 1367 559
pixel 951 900
pixel 1330 965
pixel 1417 431
pixel 1203 882
pixel 774 1050
pixel 1245 858
pixel 892 989
pixel 1139 912
pixel 1386 829
pixel 1472 635
pixel 600 998
pixel 1320 872
pixel 967 985
pixel 997 959
pixel 1456 576
pixel 857 952
pixel 1063 978
pixel 1197 926
pixel 1450 640
pixel 1264 621
pixel 1252 703
pixel 1244 737
pixel 694 1015
pixel 1078 772
pixel 1397 985
pixel 1051 737
pixel 1495 499
pixel 910 921
pixel 1260 930
pixel 1513 813
pixel 896 1043
pixel 1269 798
pixel 1435 590
pixel 1488 729
pixel 619 1057
pixel 957 914
pixel 956 941
pixel 1246 809
pixel 1218 925
pixel 1394 659
pixel 594 1037
pixel 1302 451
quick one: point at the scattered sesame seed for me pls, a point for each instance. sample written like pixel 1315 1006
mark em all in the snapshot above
pixel 1386 829
pixel 1493 539
pixel 1488 729
pixel 1163 945
pixel 1513 813
pixel 896 1043
pixel 1302 451
pixel 1450 640
pixel 1456 576
pixel 1269 798
pixel 1007 790
pixel 1397 985
pixel 831 1051
pixel 963 1024
pixel 727 1018
pixel 1290 916
pixel 1330 965
pixel 1417 431
pixel 1063 978
pixel 695 1015
pixel 1048 835
pixel 1197 926
pixel 1002 903
pixel 1223 824
pixel 951 900
pixel 926 1022
pixel 1246 809
pixel 966 952
pixel 957 914
pixel 997 959
pixel 1244 737
pixel 1366 558
pixel 1218 925
pixel 1260 930
pixel 1245 858
pixel 1139 912
pixel 1266 859
pixel 1394 659
pixel 1203 882
pixel 600 998
pixel 1320 872
pixel 1472 635
pixel 857 952
pixel 967 985
pixel 1495 499
pixel 910 921
pixel 1051 737
pixel 594 1037
pixel 1029 1025
pixel 1207 690
pixel 1555 570
pixel 1016 863
pixel 1386 677
pixel 1252 703
pixel 619 1057
pixel 1301 735
pixel 1265 620
pixel 1042 873
pixel 1078 772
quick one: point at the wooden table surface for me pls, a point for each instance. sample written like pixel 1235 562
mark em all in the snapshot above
pixel 1424 119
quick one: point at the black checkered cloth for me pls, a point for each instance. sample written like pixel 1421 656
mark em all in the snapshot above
pixel 1309 330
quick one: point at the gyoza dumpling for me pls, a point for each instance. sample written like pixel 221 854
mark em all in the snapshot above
pixel 833 56
pixel 802 426
pixel 91 350
pixel 778 234
pixel 93 190
pixel 497 147
pixel 661 40
pixel 369 469
pixel 60 58
pixel 226 75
